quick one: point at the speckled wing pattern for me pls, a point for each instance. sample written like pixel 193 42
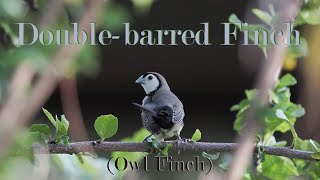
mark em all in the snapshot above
pixel 149 124
pixel 178 114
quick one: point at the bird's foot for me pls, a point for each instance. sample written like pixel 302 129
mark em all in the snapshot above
pixel 185 140
pixel 52 141
pixel 96 142
pixel 147 139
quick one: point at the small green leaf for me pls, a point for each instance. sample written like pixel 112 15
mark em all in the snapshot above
pixel 281 115
pixel 234 19
pixel 80 158
pixel 63 140
pixel 280 143
pixel 287 80
pixel 314 145
pixel 36 137
pixel 284 167
pixel 264 16
pixel 298 51
pixel 316 155
pixel 41 128
pixel 243 105
pixel 274 97
pixel 65 122
pixel 106 126
pixel 60 129
pixel 49 116
pixel 296 110
pixel 211 156
pixel 196 135
pixel 154 143
pixel 166 149
pixel 251 93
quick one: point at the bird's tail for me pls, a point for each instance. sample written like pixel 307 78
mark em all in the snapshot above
pixel 146 110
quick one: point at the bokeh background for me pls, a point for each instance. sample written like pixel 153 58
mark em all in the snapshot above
pixel 207 79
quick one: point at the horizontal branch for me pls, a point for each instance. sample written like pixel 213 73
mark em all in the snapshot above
pixel 88 146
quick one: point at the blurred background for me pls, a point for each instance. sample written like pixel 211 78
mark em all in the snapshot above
pixel 207 79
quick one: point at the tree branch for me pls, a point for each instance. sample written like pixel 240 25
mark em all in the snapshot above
pixel 88 146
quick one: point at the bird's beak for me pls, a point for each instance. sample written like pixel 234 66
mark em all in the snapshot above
pixel 140 80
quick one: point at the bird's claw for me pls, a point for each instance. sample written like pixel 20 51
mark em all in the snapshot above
pixel 96 142
pixel 146 139
pixel 185 140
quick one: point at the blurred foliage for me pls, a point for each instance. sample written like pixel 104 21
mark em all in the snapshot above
pixel 77 166
pixel 281 102
pixel 87 62
pixel 309 14
pixel 131 156
pixel 142 7
pixel 279 116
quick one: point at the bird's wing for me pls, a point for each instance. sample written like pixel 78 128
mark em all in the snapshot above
pixel 163 116
pixel 178 114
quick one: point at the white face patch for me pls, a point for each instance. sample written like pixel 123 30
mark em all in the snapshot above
pixel 150 83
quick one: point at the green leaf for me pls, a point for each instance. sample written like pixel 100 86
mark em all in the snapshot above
pixel 41 128
pixel 296 110
pixel 316 155
pixel 244 104
pixel 154 143
pixel 314 145
pixel 264 16
pixel 64 139
pixel 310 16
pixel 166 149
pixel 281 115
pixel 60 129
pixel 142 6
pixel 287 80
pixel 137 136
pixel 211 156
pixel 80 158
pixel 65 122
pixel 49 116
pixel 274 97
pixel 251 93
pixel 36 137
pixel 297 51
pixel 233 18
pixel 106 126
pixel 278 168
pixel 304 145
pixel 196 135
pixel 251 28
pixel 114 16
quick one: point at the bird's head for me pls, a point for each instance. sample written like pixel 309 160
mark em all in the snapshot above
pixel 151 82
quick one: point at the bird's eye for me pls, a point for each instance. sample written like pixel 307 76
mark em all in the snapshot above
pixel 150 77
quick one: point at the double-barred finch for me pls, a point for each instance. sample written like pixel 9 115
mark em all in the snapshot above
pixel 162 112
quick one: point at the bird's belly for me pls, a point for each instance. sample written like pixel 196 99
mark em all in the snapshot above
pixel 175 130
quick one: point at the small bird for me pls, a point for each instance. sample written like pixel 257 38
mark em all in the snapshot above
pixel 162 112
